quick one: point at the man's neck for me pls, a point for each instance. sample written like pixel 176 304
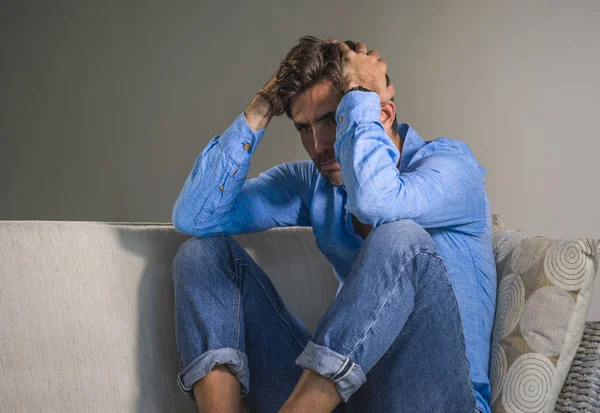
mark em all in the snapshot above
pixel 399 141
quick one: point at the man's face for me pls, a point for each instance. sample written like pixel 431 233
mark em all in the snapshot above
pixel 313 114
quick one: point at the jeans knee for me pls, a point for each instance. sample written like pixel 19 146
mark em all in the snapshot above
pixel 197 253
pixel 403 247
pixel 404 234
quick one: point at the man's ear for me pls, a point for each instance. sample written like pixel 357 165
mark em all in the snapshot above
pixel 388 114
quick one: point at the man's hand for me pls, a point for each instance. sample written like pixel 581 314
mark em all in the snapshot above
pixel 364 69
pixel 259 111
pixel 272 80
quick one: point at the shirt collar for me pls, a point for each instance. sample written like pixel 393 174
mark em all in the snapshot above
pixel 412 143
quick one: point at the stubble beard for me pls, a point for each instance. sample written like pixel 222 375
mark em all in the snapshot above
pixel 333 177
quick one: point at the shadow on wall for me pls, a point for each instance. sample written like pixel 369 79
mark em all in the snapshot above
pixel 158 362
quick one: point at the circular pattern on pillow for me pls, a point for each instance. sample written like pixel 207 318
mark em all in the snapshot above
pixel 511 298
pixel 504 244
pixel 527 384
pixel 498 367
pixel 547 311
pixel 565 264
pixel 529 253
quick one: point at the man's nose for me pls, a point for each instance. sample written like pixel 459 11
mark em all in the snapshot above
pixel 321 142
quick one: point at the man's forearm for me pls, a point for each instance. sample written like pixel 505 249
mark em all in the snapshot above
pixel 213 183
pixel 366 154
pixel 258 113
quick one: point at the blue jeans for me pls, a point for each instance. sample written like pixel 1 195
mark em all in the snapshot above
pixel 392 340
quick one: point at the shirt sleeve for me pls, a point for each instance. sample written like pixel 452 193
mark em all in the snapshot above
pixel 216 199
pixel 440 190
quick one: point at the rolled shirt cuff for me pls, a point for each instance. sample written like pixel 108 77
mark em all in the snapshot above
pixel 358 106
pixel 239 141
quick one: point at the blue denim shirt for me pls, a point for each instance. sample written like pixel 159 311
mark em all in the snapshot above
pixel 439 184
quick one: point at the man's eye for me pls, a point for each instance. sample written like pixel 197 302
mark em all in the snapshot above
pixel 332 121
pixel 302 130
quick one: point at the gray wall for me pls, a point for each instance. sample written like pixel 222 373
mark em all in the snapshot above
pixel 104 107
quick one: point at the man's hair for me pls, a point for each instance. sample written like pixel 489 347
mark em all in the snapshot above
pixel 308 63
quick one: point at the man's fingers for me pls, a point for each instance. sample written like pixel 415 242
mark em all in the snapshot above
pixel 361 48
pixel 343 48
pixel 272 79
pixel 373 53
pixel 390 92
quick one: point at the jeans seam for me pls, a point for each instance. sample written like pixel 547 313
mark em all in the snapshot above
pixel 389 295
pixel 335 377
pixel 245 264
pixel 237 319
pixel 418 294
pixel 237 310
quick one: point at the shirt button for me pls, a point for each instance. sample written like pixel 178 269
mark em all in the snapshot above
pixel 246 146
pixel 221 187
pixel 341 119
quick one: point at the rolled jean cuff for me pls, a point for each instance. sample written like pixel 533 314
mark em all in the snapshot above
pixel 236 361
pixel 346 374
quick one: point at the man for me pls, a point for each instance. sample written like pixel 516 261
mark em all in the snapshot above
pixel 405 223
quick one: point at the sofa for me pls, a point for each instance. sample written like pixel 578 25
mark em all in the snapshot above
pixel 86 314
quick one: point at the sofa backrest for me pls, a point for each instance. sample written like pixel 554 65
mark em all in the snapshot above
pixel 86 311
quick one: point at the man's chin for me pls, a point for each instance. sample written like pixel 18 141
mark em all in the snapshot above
pixel 333 177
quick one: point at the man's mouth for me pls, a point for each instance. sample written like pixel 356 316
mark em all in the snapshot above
pixel 332 163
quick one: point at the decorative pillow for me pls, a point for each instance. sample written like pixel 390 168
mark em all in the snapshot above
pixel 544 293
